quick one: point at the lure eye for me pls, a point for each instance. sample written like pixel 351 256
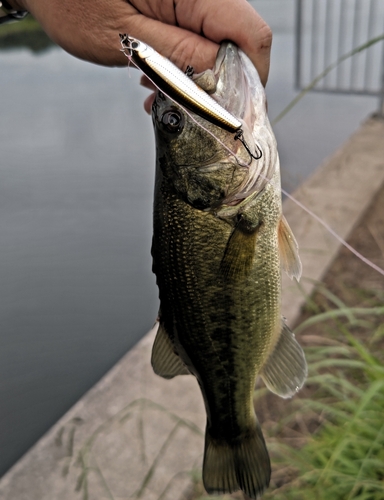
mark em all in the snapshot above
pixel 134 45
pixel 173 121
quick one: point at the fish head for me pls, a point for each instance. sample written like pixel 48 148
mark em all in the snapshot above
pixel 206 164
pixel 191 156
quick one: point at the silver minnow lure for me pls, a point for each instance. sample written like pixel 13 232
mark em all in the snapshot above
pixel 178 86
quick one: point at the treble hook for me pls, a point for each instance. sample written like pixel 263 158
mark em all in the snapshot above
pixel 239 136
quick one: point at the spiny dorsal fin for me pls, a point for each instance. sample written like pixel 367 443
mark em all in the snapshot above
pixel 165 362
pixel 289 250
pixel 285 370
pixel 239 253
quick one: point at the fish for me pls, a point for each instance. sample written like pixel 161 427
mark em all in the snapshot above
pixel 220 243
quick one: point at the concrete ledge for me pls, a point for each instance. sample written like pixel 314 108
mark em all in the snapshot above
pixel 338 192
pixel 134 432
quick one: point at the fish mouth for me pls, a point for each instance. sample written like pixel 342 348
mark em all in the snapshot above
pixel 232 87
pixel 239 91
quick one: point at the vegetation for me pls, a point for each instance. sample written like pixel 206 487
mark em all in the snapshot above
pixel 26 33
pixel 324 73
pixel 344 457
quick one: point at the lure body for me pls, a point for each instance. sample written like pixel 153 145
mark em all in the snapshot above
pixel 177 85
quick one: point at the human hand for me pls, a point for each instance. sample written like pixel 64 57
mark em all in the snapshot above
pixel 185 31
pixel 188 32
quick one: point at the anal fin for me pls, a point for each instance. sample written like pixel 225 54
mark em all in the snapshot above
pixel 165 362
pixel 285 370
pixel 289 250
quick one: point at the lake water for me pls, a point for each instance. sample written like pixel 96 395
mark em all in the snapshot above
pixel 76 180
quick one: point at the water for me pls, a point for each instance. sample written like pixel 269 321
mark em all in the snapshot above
pixel 76 168
pixel 76 181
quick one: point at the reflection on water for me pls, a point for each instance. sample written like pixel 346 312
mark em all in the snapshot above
pixel 76 181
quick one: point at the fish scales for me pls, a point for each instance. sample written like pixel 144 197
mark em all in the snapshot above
pixel 215 315
pixel 218 269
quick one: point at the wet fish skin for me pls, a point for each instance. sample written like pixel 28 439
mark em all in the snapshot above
pixel 218 269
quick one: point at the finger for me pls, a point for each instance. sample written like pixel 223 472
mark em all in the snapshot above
pixel 234 20
pixel 180 45
pixel 88 29
pixel 94 33
pixel 218 20
pixel 163 10
pixel 148 103
pixel 145 82
pixel 159 27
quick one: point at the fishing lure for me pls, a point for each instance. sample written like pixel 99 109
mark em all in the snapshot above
pixel 181 88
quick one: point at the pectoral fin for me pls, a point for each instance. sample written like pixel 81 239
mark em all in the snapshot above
pixel 165 362
pixel 289 250
pixel 239 253
pixel 285 370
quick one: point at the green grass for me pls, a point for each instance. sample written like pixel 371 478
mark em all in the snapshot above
pixel 343 458
pixel 26 25
pixel 324 73
pixel 24 34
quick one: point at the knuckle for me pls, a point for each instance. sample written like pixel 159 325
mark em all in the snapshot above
pixel 265 36
pixel 182 55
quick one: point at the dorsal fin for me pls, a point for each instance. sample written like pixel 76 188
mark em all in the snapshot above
pixel 289 250
pixel 165 362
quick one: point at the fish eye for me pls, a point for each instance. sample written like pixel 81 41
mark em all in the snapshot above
pixel 172 120
pixel 134 45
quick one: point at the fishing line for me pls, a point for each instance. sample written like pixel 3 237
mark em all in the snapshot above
pixel 337 236
pixel 242 164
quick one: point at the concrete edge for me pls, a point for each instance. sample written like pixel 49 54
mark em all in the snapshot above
pixel 105 443
pixel 339 192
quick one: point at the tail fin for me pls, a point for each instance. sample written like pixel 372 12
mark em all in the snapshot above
pixel 244 465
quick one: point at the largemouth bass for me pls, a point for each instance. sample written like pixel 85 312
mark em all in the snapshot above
pixel 220 241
